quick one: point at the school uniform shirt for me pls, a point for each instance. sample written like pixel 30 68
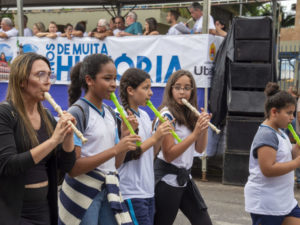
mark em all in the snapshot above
pixel 270 195
pixel 100 131
pixel 137 176
pixel 198 25
pixel 185 160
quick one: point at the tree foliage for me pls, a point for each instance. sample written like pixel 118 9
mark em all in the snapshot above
pixel 260 9
pixel 288 21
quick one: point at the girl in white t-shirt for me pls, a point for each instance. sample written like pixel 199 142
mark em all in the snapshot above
pixel 90 192
pixel 137 173
pixel 175 188
pixel 269 192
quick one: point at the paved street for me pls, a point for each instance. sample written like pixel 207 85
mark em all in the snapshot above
pixel 225 204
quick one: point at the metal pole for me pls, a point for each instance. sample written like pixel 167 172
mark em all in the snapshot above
pixel 241 7
pixel 275 46
pixel 20 17
pixel 119 6
pixel 278 49
pixel 205 30
pixel 206 13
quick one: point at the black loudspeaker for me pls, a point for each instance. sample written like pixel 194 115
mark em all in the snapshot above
pixel 253 28
pixel 252 51
pixel 240 133
pixel 250 75
pixel 235 168
pixel 247 103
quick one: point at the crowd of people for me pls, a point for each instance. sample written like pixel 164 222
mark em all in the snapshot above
pixel 109 179
pixel 117 26
pixel 117 177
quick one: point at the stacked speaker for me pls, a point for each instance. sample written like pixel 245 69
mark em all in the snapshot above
pixel 248 75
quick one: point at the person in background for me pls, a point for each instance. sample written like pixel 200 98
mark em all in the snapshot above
pixel 53 33
pixel 112 24
pixel 79 29
pixel 68 31
pixel 53 30
pixel 196 11
pixel 134 27
pixel 27 31
pixel 102 30
pixel 38 28
pixel 151 26
pixel 120 25
pixel 220 28
pixel 7 28
pixel 172 18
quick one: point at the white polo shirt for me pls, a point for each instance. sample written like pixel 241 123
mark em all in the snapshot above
pixel 270 195
pixel 137 176
pixel 101 134
pixel 185 160
pixel 198 25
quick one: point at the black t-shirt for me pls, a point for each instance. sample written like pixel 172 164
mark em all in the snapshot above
pixel 38 173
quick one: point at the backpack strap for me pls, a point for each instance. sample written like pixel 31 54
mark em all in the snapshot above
pixel 84 118
pixel 113 113
pixel 82 113
pixel 118 128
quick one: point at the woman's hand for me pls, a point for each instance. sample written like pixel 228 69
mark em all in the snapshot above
pixel 63 129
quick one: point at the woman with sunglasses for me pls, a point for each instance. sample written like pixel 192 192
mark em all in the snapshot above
pixel 32 146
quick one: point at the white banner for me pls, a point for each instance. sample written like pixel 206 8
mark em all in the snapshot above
pixel 159 55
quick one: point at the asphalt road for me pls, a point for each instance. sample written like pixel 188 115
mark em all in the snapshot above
pixel 225 204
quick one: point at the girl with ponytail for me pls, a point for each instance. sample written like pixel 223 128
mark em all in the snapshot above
pixel 269 192
pixel 90 192
pixel 137 173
